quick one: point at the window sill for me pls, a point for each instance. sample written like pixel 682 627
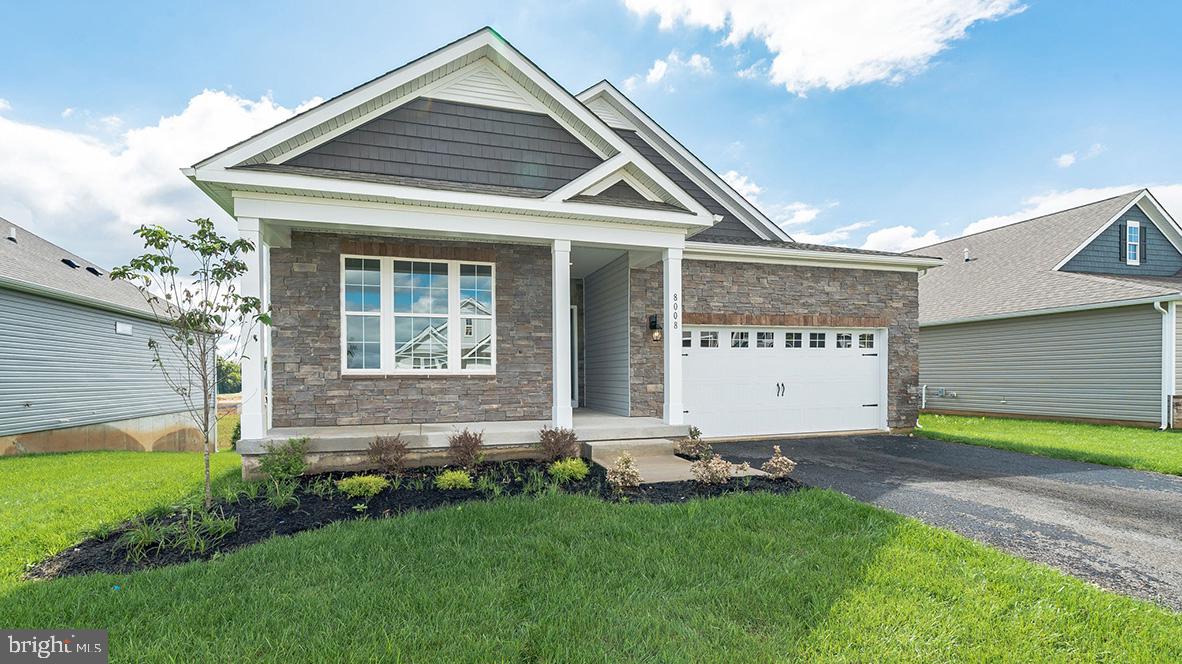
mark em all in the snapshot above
pixel 353 375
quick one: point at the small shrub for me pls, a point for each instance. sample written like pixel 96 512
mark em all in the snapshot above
pixel 284 462
pixel 388 453
pixel 623 474
pixel 453 479
pixel 692 445
pixel 362 486
pixel 282 494
pixel 779 466
pixel 466 448
pixel 559 443
pixel 568 470
pixel 715 470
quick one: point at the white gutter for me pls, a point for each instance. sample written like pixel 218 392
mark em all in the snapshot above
pixel 788 255
pixel 1168 341
pixel 1057 310
pixel 65 296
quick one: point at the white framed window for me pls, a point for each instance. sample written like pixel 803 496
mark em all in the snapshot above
pixel 866 340
pixel 844 340
pixel 765 339
pixel 1133 243
pixel 816 339
pixel 793 339
pixel 708 339
pixel 739 340
pixel 401 315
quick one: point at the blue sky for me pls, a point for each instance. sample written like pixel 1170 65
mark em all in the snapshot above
pixel 910 125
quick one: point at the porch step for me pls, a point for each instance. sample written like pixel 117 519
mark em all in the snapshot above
pixel 605 452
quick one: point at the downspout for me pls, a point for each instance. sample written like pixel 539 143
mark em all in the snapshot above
pixel 1168 311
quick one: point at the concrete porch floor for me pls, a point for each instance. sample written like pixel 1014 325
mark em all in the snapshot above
pixel 589 426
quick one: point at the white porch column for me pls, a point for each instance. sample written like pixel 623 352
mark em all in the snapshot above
pixel 674 409
pixel 561 412
pixel 254 361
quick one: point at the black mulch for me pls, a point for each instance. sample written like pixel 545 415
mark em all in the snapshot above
pixel 258 520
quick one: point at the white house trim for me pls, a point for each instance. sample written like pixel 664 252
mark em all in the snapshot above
pixel 792 256
pixel 1156 213
pixel 628 179
pixel 562 414
pixel 1169 321
pixel 255 419
pixel 675 152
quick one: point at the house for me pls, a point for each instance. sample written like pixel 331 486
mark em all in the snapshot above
pixel 76 372
pixel 1069 315
pixel 601 277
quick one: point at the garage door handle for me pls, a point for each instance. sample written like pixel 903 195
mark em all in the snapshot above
pixel 869 354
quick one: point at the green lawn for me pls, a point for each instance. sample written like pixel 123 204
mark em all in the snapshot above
pixel 562 578
pixel 1128 447
pixel 50 501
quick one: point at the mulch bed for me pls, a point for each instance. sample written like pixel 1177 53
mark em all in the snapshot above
pixel 259 521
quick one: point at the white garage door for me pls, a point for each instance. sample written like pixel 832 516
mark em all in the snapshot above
pixel 749 381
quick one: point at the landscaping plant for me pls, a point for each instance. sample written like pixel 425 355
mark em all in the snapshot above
pixel 692 445
pixel 558 443
pixel 388 454
pixel 453 479
pixel 568 470
pixel 362 486
pixel 623 474
pixel 200 313
pixel 284 462
pixel 779 466
pixel 716 470
pixel 466 448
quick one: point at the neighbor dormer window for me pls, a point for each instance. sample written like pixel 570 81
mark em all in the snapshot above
pixel 1133 243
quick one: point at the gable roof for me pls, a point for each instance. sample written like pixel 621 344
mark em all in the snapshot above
pixel 35 265
pixel 624 116
pixel 1013 269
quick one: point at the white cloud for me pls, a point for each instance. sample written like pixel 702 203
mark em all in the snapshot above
pixel 838 236
pixel 68 111
pixel 834 44
pixel 899 238
pixel 670 65
pixel 1069 159
pixel 4 105
pixel 742 184
pixel 1065 160
pixel 87 192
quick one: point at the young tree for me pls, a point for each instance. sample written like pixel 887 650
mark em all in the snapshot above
pixel 199 312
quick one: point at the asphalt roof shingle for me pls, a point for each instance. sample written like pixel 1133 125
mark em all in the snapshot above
pixel 1012 268
pixel 37 262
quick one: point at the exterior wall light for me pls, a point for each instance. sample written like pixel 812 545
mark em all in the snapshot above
pixel 655 326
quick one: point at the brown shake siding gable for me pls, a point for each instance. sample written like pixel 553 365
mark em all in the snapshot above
pixel 308 388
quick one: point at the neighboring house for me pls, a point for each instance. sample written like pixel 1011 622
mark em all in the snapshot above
pixel 1069 315
pixel 76 372
pixel 600 275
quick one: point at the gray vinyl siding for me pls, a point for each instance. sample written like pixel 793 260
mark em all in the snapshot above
pixel 1103 255
pixel 605 347
pixel 434 139
pixel 63 365
pixel 1099 364
pixel 729 227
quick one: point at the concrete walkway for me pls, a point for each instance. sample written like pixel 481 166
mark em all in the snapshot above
pixel 1119 528
pixel 653 457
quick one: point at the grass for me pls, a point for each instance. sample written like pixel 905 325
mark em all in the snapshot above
pixel 51 501
pixel 226 429
pixel 1127 447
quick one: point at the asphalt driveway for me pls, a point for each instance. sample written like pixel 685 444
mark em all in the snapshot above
pixel 1120 529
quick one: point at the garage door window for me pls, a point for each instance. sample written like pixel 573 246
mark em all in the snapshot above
pixel 708 339
pixel 687 338
pixel 765 339
pixel 739 340
pixel 865 341
pixel 816 339
pixel 845 340
pixel 793 340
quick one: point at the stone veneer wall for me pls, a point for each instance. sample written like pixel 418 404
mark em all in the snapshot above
pixel 719 292
pixel 308 388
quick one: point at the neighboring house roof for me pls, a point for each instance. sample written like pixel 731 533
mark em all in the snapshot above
pixel 1012 269
pixel 36 265
pixel 776 244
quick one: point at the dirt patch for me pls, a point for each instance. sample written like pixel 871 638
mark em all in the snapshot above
pixel 258 520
